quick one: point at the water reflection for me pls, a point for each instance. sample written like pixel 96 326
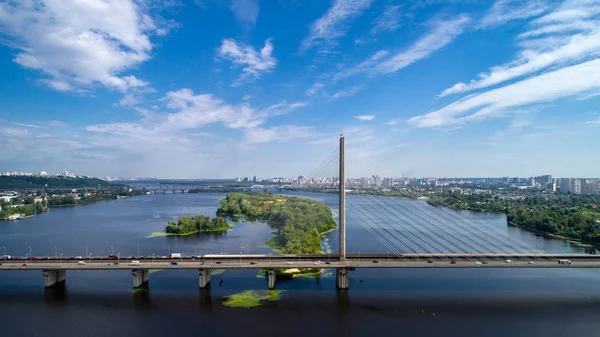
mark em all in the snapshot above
pixel 57 295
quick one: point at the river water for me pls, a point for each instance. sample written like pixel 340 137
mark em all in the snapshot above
pixel 467 302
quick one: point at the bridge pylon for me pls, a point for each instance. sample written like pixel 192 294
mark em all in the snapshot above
pixel 342 210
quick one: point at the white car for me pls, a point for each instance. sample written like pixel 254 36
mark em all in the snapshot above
pixel 531 262
pixel 81 263
pixel 136 263
pixel 508 261
pixel 289 262
pixel 477 262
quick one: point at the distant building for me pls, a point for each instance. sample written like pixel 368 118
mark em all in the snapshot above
pixel 376 181
pixel 43 174
pixel 575 187
pixel 565 185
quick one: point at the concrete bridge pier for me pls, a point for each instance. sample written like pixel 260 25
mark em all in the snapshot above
pixel 53 277
pixel 204 276
pixel 342 278
pixel 271 278
pixel 140 277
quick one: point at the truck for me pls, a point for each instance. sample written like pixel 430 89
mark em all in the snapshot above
pixel 175 255
pixel 564 261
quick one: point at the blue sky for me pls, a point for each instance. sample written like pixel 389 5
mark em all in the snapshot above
pixel 224 88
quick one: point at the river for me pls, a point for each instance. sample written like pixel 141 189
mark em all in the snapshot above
pixel 467 302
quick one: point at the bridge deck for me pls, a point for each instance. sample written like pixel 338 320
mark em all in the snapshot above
pixel 316 261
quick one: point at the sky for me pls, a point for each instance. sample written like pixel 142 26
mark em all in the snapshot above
pixel 226 88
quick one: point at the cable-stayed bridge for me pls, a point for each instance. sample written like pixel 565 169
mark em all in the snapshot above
pixel 411 233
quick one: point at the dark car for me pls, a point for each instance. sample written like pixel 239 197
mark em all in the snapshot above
pixel 24 264
pixel 429 261
pixel 253 262
pixel 484 262
pixel 375 261
pixel 218 262
pixel 174 263
pixel 452 262
pixel 327 262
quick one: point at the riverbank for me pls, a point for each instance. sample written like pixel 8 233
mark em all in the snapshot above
pixel 571 218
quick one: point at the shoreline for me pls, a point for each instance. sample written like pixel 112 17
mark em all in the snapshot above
pixel 581 242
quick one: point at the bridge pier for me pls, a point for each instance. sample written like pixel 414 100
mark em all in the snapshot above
pixel 271 278
pixel 53 277
pixel 140 277
pixel 342 278
pixel 204 276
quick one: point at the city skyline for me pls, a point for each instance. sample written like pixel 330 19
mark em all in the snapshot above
pixel 217 88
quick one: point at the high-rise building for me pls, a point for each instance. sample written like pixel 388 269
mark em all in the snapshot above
pixel 575 187
pixel 376 181
pixel 565 185
pixel 388 182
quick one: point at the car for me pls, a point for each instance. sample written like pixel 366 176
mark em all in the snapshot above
pixel 218 262
pixel 116 263
pixel 319 262
pixel 375 261
pixel 1 264
pixel 508 261
pixel 289 262
pixel 477 262
pixel 136 263
pixel 78 257
pixel 173 263
pixel 452 262
pixel 484 262
pixel 81 263
pixel 24 264
pixel 429 261
pixel 253 262
pixel 531 262
pixel 31 258
pixel 327 262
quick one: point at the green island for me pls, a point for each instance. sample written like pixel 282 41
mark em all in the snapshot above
pixel 188 225
pixel 573 217
pixel 251 298
pixel 299 222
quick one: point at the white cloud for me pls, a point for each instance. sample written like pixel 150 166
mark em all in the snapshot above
pixel 79 43
pixel 564 42
pixel 283 133
pixel 394 121
pixel 388 21
pixel 442 34
pixel 385 62
pixel 365 117
pixel 595 121
pixel 246 11
pixel 13 132
pixel 503 11
pixel 347 92
pixel 314 88
pixel 193 112
pixel 332 25
pixel 578 47
pixel 565 82
pixel 255 63
pixel 404 144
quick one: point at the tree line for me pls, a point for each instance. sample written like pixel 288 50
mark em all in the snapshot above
pixel 197 223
